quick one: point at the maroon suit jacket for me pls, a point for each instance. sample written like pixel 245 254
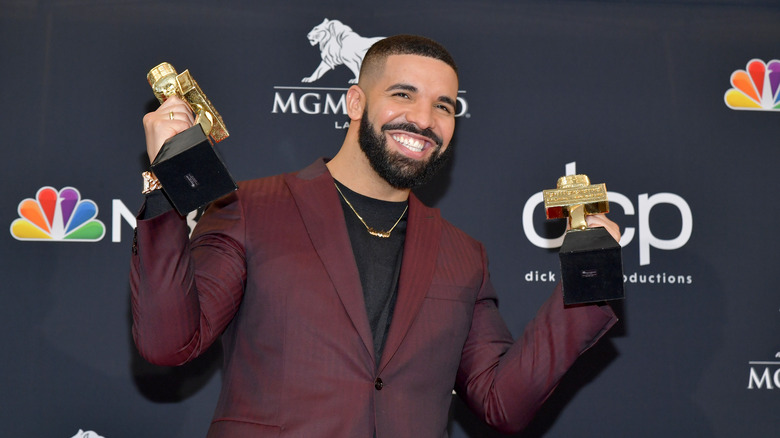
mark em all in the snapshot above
pixel 270 268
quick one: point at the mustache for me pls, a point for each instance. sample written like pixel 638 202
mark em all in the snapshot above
pixel 412 128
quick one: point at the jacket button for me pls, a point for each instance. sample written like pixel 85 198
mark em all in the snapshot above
pixel 378 384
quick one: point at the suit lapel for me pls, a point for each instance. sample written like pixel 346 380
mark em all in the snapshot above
pixel 317 200
pixel 419 261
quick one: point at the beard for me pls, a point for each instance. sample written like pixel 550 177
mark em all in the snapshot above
pixel 398 170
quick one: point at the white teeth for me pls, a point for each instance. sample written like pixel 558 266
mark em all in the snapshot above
pixel 409 143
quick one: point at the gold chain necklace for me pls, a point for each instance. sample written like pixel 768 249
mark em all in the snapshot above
pixel 372 231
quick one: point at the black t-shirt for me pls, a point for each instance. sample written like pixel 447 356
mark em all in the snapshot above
pixel 378 259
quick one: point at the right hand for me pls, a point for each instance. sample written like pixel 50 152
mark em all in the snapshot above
pixel 159 126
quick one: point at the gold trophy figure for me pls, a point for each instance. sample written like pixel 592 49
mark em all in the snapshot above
pixel 189 168
pixel 591 259
pixel 165 82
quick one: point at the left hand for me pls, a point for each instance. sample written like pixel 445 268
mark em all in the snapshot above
pixel 600 220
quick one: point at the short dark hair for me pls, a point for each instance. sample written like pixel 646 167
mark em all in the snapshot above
pixel 405 45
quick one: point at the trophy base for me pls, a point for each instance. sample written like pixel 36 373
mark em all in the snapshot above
pixel 191 171
pixel 591 267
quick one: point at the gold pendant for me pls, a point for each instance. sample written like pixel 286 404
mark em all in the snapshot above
pixel 377 233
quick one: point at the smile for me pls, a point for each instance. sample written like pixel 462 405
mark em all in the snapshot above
pixel 409 143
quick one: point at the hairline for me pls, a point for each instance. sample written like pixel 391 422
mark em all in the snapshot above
pixel 376 57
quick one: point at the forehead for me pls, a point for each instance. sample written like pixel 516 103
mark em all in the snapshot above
pixel 427 74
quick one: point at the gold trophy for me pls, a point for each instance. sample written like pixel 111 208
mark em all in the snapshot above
pixel 189 168
pixel 591 259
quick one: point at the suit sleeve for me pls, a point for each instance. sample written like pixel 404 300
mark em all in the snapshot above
pixel 506 381
pixel 186 291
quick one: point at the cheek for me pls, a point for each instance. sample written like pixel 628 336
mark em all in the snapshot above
pixel 448 130
pixel 389 115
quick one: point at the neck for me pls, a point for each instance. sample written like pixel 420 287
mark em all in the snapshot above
pixel 351 167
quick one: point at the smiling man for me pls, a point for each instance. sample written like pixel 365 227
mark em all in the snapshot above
pixel 413 104
pixel 346 307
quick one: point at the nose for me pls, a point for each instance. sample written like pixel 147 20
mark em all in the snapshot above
pixel 421 115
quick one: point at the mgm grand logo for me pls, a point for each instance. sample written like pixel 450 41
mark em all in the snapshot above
pixel 765 374
pixel 339 46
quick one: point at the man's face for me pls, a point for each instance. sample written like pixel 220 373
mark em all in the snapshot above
pixel 413 101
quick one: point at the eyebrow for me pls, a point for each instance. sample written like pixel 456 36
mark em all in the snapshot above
pixel 413 89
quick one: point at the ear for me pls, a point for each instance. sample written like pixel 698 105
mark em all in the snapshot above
pixel 356 102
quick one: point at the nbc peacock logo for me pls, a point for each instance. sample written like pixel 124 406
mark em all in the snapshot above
pixel 756 87
pixel 58 216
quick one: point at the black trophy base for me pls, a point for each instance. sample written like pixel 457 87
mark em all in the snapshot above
pixel 591 267
pixel 191 172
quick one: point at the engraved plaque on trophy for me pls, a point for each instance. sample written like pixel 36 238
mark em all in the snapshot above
pixel 188 166
pixel 591 260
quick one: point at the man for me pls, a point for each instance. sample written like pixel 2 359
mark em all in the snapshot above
pixel 346 307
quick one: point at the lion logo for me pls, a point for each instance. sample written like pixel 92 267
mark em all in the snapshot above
pixel 87 434
pixel 339 45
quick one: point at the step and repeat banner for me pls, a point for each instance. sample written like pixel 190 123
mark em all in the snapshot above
pixel 673 104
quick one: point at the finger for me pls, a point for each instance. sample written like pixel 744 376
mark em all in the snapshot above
pixel 172 101
pixel 601 220
pixel 176 109
pixel 167 123
pixel 178 117
pixel 159 127
pixel 596 220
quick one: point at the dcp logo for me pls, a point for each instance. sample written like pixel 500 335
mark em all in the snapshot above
pixel 645 204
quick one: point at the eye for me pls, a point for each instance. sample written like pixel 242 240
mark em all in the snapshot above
pixel 402 95
pixel 445 108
